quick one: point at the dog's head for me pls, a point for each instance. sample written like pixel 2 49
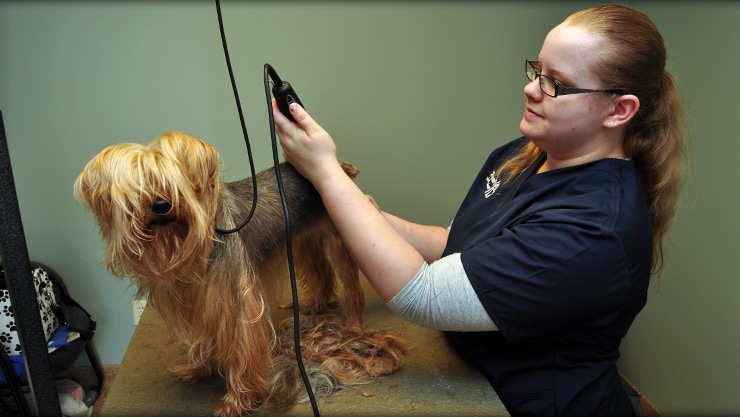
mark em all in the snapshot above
pixel 154 204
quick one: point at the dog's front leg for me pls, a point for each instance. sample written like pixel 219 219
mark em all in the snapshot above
pixel 243 352
pixel 200 364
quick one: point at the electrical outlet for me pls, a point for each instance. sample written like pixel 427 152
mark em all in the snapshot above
pixel 138 306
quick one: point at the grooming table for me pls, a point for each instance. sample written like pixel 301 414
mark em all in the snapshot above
pixel 433 381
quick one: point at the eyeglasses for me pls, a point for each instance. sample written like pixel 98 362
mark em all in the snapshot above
pixel 554 88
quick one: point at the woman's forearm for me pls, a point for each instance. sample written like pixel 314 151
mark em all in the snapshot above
pixel 430 241
pixel 386 258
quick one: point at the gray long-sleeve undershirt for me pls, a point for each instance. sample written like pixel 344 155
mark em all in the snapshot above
pixel 441 297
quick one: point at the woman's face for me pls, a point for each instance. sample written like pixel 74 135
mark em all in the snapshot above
pixel 566 126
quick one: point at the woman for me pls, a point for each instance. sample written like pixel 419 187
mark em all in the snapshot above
pixel 548 259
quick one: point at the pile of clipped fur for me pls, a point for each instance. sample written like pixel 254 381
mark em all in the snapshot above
pixel 334 355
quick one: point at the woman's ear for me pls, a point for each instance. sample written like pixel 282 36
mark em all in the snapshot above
pixel 624 110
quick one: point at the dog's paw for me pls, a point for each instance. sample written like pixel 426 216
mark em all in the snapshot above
pixel 233 405
pixel 190 373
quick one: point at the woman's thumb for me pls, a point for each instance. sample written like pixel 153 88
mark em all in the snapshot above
pixel 299 114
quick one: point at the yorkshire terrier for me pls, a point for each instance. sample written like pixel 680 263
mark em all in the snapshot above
pixel 158 208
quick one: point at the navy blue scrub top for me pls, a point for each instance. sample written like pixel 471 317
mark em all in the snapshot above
pixel 561 261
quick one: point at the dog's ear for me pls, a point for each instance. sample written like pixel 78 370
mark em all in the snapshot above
pixel 95 186
pixel 92 183
pixel 199 160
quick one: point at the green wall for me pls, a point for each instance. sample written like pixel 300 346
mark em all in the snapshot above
pixel 684 349
pixel 415 94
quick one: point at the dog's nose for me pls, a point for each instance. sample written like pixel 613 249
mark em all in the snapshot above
pixel 161 207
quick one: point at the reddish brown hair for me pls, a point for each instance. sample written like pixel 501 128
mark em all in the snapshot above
pixel 655 138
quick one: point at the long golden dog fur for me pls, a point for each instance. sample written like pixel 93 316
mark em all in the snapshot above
pixel 158 206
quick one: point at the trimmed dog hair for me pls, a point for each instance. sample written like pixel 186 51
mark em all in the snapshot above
pixel 158 207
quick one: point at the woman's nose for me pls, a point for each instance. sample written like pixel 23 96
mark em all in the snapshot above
pixel 533 90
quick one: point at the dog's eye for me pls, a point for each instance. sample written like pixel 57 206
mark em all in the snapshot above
pixel 161 207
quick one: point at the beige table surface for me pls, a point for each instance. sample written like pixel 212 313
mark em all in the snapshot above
pixel 433 381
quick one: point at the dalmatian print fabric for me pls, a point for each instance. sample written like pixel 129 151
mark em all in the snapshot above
pixel 45 297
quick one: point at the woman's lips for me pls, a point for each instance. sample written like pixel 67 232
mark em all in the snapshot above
pixel 531 113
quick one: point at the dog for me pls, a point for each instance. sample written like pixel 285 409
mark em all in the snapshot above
pixel 158 208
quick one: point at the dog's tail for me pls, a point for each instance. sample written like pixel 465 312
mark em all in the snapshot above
pixel 349 169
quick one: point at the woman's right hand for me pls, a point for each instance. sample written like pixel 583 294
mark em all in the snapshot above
pixel 386 258
pixel 306 145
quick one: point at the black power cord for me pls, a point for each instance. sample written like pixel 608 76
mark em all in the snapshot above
pixel 269 71
pixel 244 127
pixel 289 246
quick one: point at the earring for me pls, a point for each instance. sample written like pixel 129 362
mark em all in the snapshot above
pixel 611 123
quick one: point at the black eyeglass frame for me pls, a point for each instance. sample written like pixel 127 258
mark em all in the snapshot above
pixel 560 89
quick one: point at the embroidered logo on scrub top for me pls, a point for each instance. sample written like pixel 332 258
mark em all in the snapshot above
pixel 491 185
